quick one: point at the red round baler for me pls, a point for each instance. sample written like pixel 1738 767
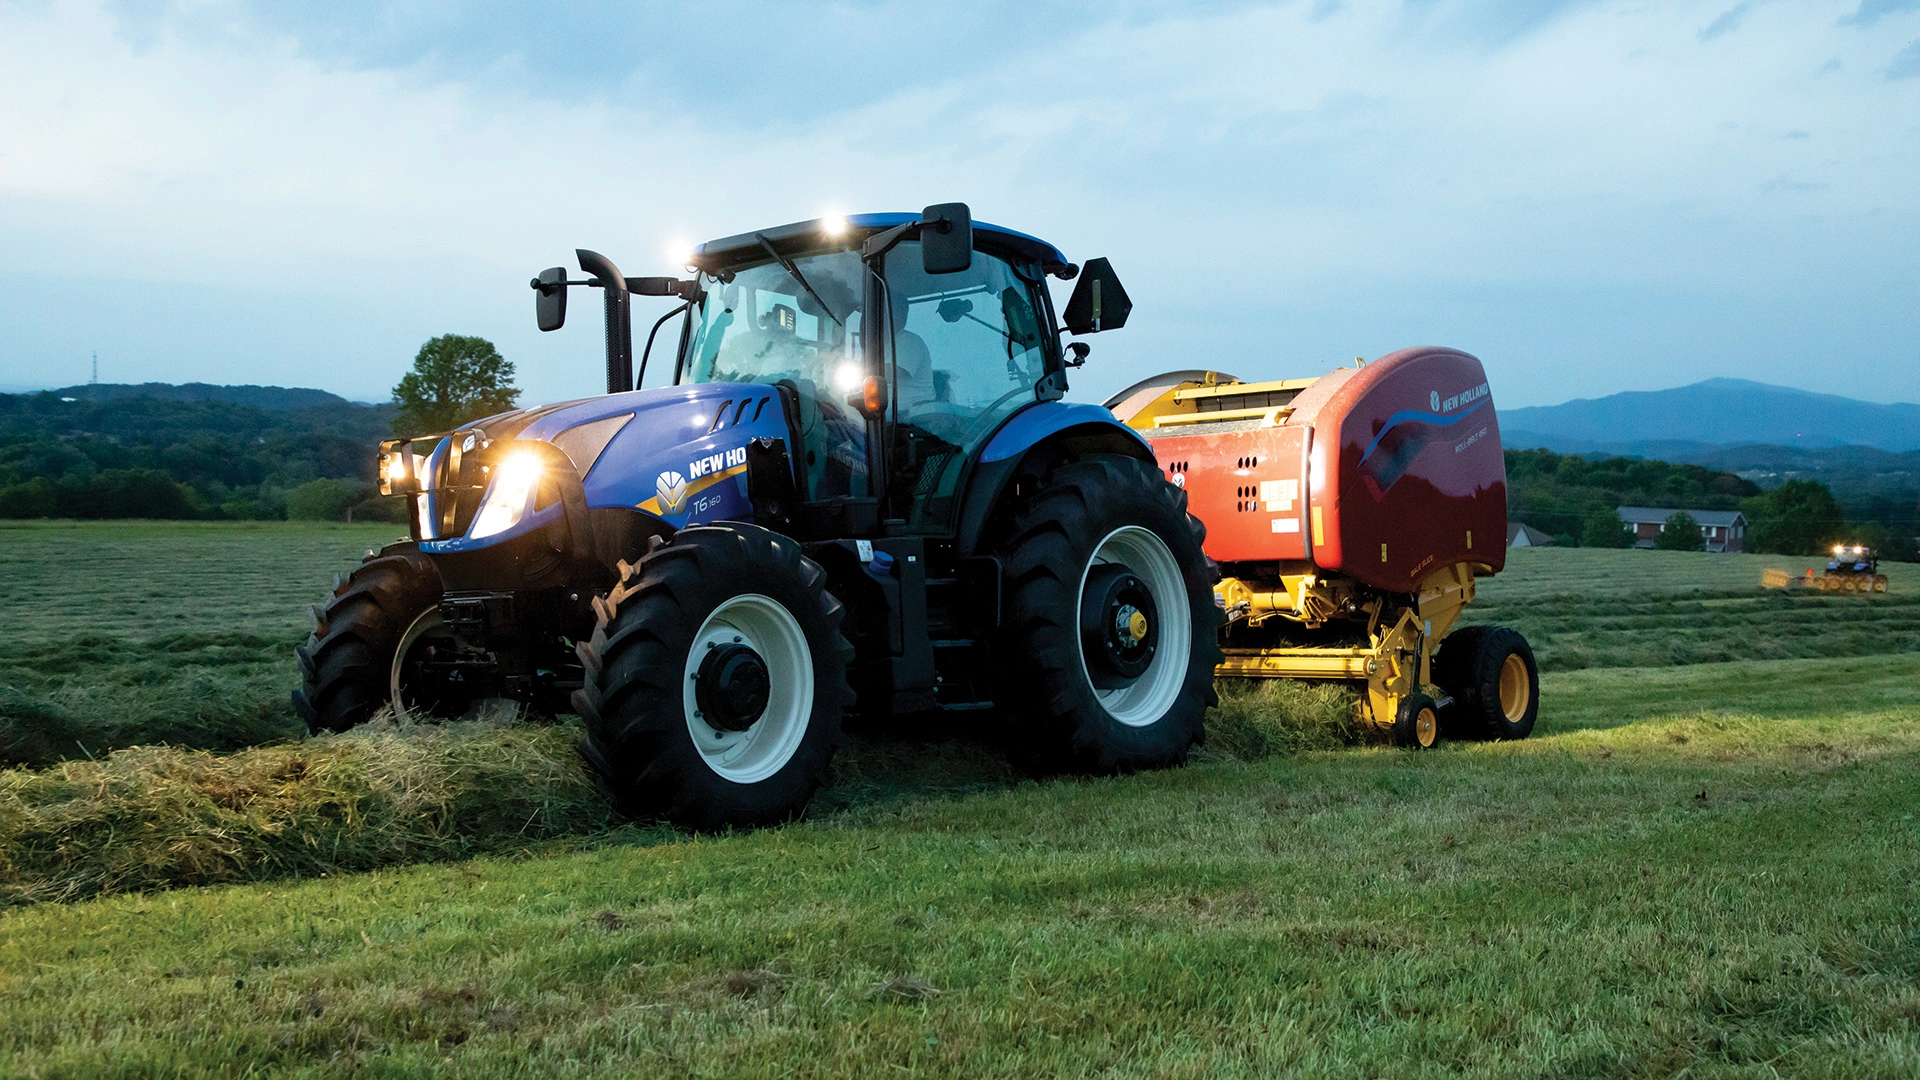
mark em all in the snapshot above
pixel 1350 514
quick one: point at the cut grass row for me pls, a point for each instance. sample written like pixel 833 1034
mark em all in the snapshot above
pixel 136 633
pixel 1706 871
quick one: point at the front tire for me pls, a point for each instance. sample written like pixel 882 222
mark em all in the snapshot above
pixel 1109 642
pixel 716 681
pixel 347 663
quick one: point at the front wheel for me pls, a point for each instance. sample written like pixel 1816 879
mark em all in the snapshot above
pixel 348 664
pixel 1108 648
pixel 716 680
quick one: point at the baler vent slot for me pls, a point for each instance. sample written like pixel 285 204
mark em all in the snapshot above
pixel 1265 399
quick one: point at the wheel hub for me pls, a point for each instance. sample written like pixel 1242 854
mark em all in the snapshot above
pixel 1119 626
pixel 732 687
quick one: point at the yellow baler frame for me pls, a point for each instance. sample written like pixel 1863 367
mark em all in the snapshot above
pixel 1395 662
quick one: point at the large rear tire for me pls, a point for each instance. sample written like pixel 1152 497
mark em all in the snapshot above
pixel 1109 640
pixel 347 663
pixel 1490 673
pixel 716 680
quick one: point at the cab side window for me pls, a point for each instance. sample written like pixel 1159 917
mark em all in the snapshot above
pixel 967 353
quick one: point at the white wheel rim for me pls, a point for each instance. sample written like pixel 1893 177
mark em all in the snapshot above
pixel 1147 698
pixel 762 624
pixel 427 622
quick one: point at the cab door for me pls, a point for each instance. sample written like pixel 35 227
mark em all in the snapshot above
pixel 966 351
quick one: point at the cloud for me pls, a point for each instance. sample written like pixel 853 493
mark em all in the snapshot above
pixel 1728 21
pixel 1906 64
pixel 1872 11
pixel 1583 198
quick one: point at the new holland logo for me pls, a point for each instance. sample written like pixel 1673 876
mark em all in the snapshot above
pixel 1433 397
pixel 672 489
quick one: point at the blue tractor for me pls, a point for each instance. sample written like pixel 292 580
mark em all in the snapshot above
pixel 860 497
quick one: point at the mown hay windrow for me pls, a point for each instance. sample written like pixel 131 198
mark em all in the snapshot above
pixel 152 817
pixel 1282 716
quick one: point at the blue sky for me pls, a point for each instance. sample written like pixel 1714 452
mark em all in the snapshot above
pixel 1592 197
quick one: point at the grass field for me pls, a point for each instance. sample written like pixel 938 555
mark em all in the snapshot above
pixel 127 632
pixel 1700 869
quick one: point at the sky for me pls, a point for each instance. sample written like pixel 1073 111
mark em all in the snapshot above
pixel 1590 196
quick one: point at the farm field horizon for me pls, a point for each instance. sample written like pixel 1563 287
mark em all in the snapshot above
pixel 1704 861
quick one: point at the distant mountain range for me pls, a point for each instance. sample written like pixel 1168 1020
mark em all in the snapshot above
pixel 1688 422
pixel 272 398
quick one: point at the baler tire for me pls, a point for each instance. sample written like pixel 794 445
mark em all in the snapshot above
pixel 1053 718
pixel 635 704
pixel 346 664
pixel 1417 726
pixel 1470 668
pixel 1450 674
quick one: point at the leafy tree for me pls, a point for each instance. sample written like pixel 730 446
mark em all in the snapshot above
pixel 1800 517
pixel 34 499
pixel 1681 533
pixel 324 500
pixel 455 378
pixel 1604 529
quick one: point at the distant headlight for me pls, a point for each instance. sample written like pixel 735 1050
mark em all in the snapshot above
pixel 509 497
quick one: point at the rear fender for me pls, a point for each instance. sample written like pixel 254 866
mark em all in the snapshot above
pixel 1030 445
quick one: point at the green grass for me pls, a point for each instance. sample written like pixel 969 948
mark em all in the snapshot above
pixel 1699 869
pixel 132 632
pixel 1586 607
pixel 1718 893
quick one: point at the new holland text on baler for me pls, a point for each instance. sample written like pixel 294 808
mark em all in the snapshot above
pixel 1350 515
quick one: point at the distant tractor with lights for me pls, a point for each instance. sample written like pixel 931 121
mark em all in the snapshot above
pixel 857 492
pixel 1853 568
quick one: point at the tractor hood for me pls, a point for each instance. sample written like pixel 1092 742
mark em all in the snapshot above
pixel 678 453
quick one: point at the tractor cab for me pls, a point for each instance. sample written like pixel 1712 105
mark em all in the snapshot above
pixel 1853 559
pixel 899 345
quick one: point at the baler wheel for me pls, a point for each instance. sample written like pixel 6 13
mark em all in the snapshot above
pixel 716 680
pixel 1091 679
pixel 346 664
pixel 1495 684
pixel 1417 727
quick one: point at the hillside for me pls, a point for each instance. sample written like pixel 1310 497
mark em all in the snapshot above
pixel 192 451
pixel 277 398
pixel 1681 423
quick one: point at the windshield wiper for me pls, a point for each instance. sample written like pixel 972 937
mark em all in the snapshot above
pixel 788 265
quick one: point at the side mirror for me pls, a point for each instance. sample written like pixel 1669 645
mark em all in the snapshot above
pixel 550 306
pixel 1098 302
pixel 946 238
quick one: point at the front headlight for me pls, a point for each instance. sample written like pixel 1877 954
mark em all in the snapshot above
pixel 509 497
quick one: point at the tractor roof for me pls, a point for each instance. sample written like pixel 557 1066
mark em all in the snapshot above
pixel 728 249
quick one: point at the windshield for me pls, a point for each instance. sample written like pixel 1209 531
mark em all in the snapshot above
pixel 766 324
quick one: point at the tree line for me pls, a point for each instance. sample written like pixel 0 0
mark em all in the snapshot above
pixel 115 456
pixel 1576 498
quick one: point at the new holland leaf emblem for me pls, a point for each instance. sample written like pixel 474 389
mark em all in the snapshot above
pixel 672 489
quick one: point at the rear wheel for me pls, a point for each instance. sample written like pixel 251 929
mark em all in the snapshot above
pixel 347 664
pixel 1108 648
pixel 716 680
pixel 1490 673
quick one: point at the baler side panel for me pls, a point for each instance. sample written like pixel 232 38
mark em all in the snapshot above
pixel 1249 486
pixel 1418 480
